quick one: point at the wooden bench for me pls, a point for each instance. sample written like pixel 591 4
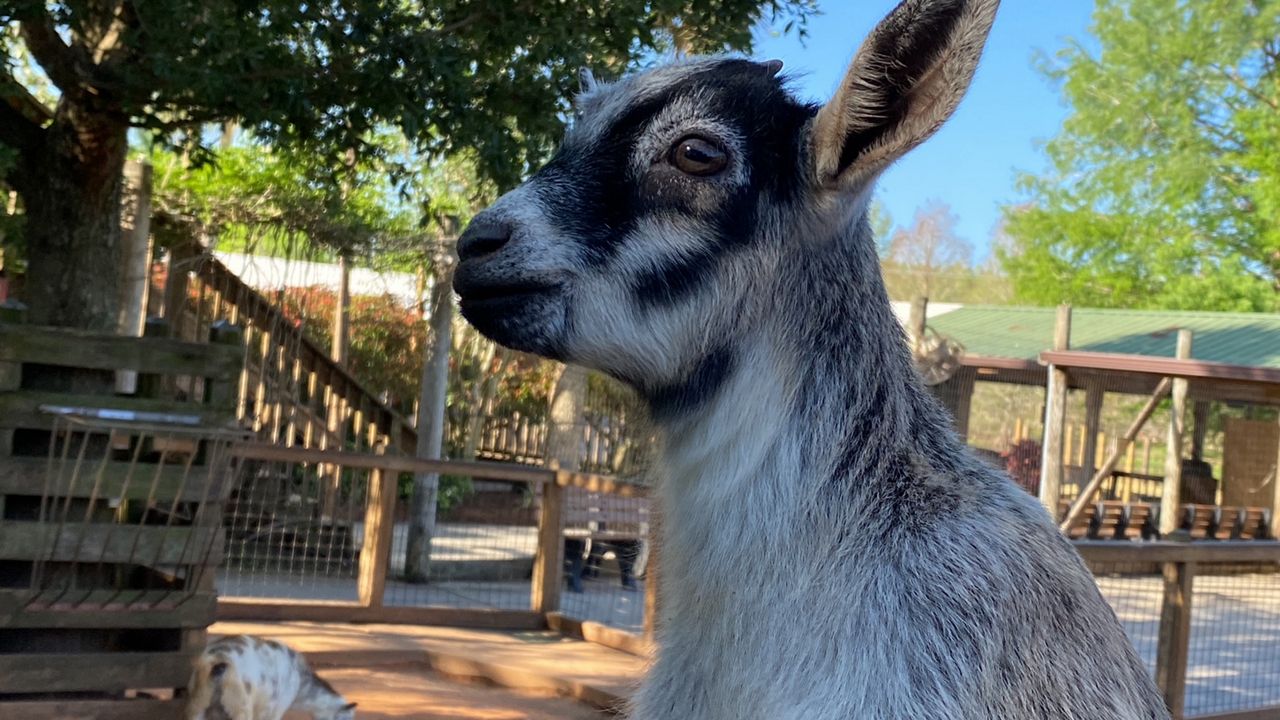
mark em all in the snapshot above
pixel 596 523
pixel 1141 522
pixel 1086 526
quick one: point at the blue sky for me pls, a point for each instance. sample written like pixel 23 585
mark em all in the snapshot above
pixel 970 163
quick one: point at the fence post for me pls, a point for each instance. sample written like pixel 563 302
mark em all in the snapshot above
pixel 917 323
pixel 1275 494
pixel 14 312
pixel 1171 491
pixel 1175 635
pixel 548 564
pixel 1055 418
pixel 379 528
pixel 651 588
pixel 224 394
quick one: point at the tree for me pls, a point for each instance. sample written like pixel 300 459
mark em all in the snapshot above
pixel 881 226
pixel 1164 183
pixel 924 259
pixel 324 76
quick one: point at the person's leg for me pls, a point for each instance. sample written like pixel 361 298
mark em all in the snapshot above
pixel 628 551
pixel 573 550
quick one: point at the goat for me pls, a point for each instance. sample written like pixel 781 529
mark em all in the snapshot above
pixel 830 548
pixel 244 677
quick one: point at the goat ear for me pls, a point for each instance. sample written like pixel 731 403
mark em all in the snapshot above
pixel 907 78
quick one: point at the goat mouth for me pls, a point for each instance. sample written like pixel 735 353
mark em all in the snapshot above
pixel 473 293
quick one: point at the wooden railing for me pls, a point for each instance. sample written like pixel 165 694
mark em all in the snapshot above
pixel 374 560
pixel 292 392
pixel 1175 564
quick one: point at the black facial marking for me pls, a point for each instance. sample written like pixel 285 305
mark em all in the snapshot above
pixel 673 280
pixel 591 192
pixel 690 393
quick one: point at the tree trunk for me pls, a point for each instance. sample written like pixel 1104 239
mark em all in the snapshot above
pixel 71 188
pixel 431 406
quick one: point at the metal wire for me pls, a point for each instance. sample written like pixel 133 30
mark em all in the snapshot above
pixel 1235 640
pixel 84 561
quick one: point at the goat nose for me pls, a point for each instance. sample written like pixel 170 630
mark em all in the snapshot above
pixel 483 237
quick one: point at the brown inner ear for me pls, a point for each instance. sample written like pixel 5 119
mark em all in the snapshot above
pixel 900 54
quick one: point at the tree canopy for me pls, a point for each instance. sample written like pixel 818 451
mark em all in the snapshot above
pixel 1164 182
pixel 492 77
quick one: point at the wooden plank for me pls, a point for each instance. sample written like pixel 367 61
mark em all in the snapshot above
pixel 109 543
pixel 594 632
pixel 1271 712
pixel 26 476
pixel 1055 417
pixel 1222 551
pixel 129 609
pixel 260 611
pixel 68 672
pixel 379 525
pixel 395 463
pixel 1172 488
pixel 68 347
pixel 22 408
pixel 1163 366
pixel 548 564
pixel 93 710
pixel 1172 650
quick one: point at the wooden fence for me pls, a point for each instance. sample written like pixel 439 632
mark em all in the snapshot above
pixel 1175 564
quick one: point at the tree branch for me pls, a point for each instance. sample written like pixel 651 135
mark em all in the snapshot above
pixel 22 117
pixel 58 60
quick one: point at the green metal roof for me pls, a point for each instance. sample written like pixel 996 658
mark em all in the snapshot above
pixel 1022 332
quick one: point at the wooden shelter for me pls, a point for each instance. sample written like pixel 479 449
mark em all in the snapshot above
pixel 114 464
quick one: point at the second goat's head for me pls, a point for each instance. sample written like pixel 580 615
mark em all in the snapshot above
pixel 655 236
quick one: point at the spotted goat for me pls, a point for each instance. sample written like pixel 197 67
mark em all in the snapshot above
pixel 830 548
pixel 243 677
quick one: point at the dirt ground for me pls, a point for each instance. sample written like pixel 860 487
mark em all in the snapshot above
pixel 411 692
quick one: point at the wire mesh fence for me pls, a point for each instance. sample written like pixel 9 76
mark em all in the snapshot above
pixel 1135 591
pixel 1234 658
pixel 127 516
pixel 606 549
pixel 294 530
pixel 481 551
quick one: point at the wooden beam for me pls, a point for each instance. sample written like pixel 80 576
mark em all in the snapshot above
pixel 917 324
pixel 22 409
pixel 1162 366
pixel 1110 552
pixel 83 672
pixel 1275 493
pixel 548 564
pixel 124 609
pixel 93 709
pixel 379 526
pixel 1087 492
pixel 1172 650
pixel 102 542
pixel 336 612
pixel 396 463
pixel 1093 397
pixel 1055 418
pixel 594 632
pixel 113 479
pixel 1172 489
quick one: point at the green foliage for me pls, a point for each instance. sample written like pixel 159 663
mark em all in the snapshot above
pixel 385 342
pixel 451 75
pixel 1164 188
pixel 279 202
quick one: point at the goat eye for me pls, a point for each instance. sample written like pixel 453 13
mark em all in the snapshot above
pixel 697 156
